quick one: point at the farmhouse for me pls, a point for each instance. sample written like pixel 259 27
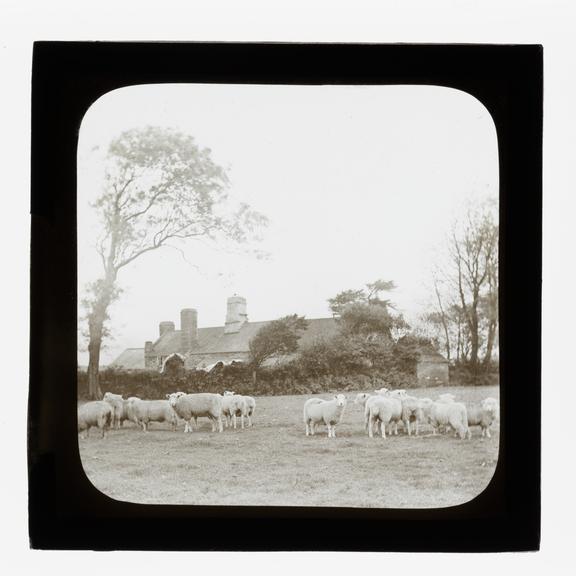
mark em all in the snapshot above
pixel 203 348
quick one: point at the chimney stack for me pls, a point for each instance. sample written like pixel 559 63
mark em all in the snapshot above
pixel 165 327
pixel 236 314
pixel 189 328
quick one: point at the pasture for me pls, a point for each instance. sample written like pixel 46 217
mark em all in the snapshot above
pixel 274 463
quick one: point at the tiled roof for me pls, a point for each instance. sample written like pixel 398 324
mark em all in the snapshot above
pixel 214 341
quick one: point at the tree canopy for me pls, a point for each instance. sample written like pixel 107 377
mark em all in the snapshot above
pixel 277 338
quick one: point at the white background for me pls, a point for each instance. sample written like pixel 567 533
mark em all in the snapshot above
pixel 547 22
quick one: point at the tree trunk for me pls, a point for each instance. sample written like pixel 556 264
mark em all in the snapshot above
pixel 94 391
pixel 443 320
pixel 96 319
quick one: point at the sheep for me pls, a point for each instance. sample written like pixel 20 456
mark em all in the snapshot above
pixel 366 400
pixel 383 409
pixel 145 411
pixel 250 407
pixel 97 413
pixel 120 408
pixel 330 412
pixel 412 411
pixel 188 406
pixel 483 415
pixel 233 405
pixel 453 414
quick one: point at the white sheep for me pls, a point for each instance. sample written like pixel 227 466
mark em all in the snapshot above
pixel 250 407
pixel 145 411
pixel 97 413
pixel 188 406
pixel 412 411
pixel 385 411
pixel 119 406
pixel 364 399
pixel 233 405
pixel 483 415
pixel 452 414
pixel 317 410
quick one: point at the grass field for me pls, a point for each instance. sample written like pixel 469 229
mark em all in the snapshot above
pixel 274 463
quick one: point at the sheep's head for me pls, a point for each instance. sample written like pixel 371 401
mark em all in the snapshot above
pixel 340 400
pixel 229 393
pixel 492 406
pixel 173 398
pixel 398 394
pixel 382 391
pixel 361 398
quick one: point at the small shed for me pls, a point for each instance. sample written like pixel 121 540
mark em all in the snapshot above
pixel 432 369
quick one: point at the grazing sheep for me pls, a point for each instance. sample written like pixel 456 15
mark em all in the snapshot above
pixel 452 414
pixel 384 410
pixel 412 411
pixel 188 406
pixel 233 405
pixel 317 410
pixel 483 415
pixel 97 413
pixel 145 411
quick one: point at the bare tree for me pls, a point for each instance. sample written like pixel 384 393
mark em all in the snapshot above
pixel 474 255
pixel 160 188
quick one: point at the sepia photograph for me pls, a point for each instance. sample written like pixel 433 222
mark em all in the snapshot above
pixel 288 295
pixel 285 288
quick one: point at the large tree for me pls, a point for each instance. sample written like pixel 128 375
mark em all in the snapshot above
pixel 160 187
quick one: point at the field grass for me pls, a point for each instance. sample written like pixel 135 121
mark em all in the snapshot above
pixel 274 463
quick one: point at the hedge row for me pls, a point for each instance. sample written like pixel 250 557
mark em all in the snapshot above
pixel 151 384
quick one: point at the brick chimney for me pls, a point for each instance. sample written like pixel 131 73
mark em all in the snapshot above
pixel 166 326
pixel 189 328
pixel 236 314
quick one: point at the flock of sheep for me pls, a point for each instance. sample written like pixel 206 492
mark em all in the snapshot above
pixel 113 410
pixel 387 408
pixel 384 409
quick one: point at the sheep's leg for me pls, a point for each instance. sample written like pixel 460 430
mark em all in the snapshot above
pixel 370 428
pixel 488 433
pixel 407 424
pixel 249 421
pixel 242 421
pixel 416 428
pixel 234 419
pixel 307 429
pixel 383 427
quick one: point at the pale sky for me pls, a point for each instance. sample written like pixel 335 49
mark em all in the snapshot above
pixel 358 183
